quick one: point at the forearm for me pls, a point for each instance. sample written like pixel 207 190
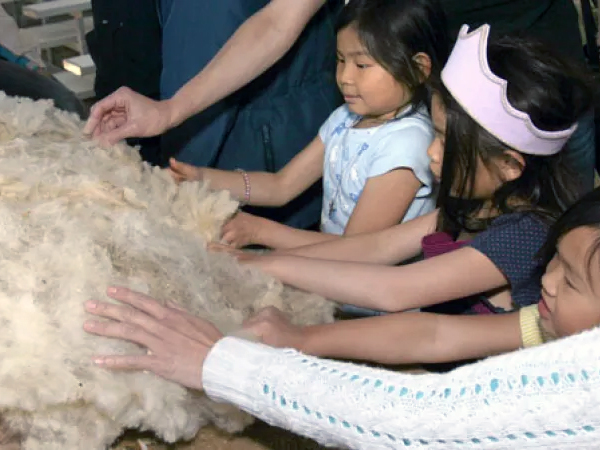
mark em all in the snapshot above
pixel 282 237
pixel 266 189
pixel 413 337
pixel 403 338
pixel 366 285
pixel 373 286
pixel 454 275
pixel 525 399
pixel 389 246
pixel 256 45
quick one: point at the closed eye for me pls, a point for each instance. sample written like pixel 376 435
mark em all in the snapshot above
pixel 569 284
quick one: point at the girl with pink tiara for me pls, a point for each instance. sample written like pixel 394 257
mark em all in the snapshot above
pixel 502 114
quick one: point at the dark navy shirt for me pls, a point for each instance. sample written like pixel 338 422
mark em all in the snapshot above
pixel 512 243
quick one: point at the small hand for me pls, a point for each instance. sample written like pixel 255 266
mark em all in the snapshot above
pixel 275 329
pixel 177 341
pixel 125 114
pixel 183 172
pixel 243 229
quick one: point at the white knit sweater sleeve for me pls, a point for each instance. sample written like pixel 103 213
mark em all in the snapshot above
pixel 545 397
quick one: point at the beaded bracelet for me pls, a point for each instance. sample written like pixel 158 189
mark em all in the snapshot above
pixel 246 185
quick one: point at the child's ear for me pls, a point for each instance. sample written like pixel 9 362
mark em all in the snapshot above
pixel 512 165
pixel 424 62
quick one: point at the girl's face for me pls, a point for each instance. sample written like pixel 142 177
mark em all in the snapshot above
pixel 570 287
pixel 368 89
pixel 486 181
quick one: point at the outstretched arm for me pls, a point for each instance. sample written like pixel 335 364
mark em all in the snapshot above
pixel 401 338
pixel 370 214
pixel 453 275
pixel 544 397
pixel 257 44
pixel 388 246
pixel 264 188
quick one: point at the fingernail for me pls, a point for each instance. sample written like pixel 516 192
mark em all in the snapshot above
pixel 92 304
pixel 98 361
pixel 89 325
pixel 112 290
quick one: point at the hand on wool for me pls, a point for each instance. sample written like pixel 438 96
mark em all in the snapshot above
pixel 241 255
pixel 183 172
pixel 177 341
pixel 125 114
pixel 274 328
pixel 242 230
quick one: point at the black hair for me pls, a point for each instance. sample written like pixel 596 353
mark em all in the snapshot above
pixel 584 213
pixel 555 96
pixel 394 31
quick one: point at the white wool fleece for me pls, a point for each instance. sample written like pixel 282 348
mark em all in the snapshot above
pixel 75 218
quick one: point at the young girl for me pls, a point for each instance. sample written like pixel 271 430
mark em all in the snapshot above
pixel 569 304
pixel 372 151
pixel 501 118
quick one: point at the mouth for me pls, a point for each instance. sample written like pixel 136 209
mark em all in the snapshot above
pixel 350 98
pixel 543 309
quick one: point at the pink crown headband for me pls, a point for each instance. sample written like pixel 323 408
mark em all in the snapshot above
pixel 468 77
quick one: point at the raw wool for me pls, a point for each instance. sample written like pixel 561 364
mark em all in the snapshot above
pixel 75 218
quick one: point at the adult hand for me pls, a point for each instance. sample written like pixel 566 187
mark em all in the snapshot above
pixel 125 114
pixel 177 342
pixel 274 328
pixel 183 172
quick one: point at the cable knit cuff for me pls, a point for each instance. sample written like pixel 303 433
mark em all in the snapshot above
pixel 231 369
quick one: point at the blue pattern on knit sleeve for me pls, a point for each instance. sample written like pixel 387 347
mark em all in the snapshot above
pixel 512 243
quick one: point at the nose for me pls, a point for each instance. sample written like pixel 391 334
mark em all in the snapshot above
pixel 551 277
pixel 344 73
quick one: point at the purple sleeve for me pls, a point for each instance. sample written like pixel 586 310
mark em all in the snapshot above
pixel 512 242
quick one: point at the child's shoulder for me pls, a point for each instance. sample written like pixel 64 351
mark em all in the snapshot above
pixel 525 226
pixel 417 120
pixel 529 219
pixel 342 114
pixel 340 119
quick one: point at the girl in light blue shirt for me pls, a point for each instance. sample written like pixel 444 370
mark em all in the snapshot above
pixel 371 152
pixel 354 155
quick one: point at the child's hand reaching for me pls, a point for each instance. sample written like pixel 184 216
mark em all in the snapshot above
pixel 242 230
pixel 183 172
pixel 273 328
pixel 240 255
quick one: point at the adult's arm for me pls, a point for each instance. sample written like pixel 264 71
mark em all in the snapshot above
pixel 544 397
pixel 256 45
